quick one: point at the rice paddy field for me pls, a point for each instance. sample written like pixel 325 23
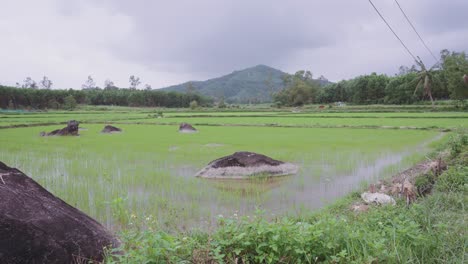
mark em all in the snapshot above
pixel 148 169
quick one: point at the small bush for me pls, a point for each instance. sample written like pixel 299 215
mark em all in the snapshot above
pixel 424 183
pixel 453 180
pixel 457 143
pixel 193 105
pixel 69 102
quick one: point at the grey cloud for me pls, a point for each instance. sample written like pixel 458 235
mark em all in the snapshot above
pixel 220 38
pixel 166 42
pixel 437 16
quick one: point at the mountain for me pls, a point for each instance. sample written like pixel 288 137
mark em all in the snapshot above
pixel 251 85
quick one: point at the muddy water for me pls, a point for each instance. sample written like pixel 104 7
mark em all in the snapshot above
pixel 166 189
pixel 315 186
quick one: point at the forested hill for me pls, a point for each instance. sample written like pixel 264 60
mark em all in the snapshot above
pixel 251 85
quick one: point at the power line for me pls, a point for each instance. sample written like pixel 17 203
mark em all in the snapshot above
pixel 411 24
pixel 376 10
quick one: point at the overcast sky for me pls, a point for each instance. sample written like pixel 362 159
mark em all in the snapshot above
pixel 169 42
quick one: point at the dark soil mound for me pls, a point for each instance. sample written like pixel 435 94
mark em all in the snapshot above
pixel 111 129
pixel 244 164
pixel 185 127
pixel 244 159
pixel 70 130
pixel 37 227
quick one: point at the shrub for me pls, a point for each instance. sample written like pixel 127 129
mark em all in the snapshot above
pixel 457 142
pixel 453 180
pixel 69 102
pixel 193 105
pixel 424 183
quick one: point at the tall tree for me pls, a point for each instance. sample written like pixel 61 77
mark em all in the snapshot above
pixel 300 89
pixel 46 83
pixel 89 84
pixel 455 65
pixel 109 84
pixel 29 83
pixel 134 82
pixel 425 78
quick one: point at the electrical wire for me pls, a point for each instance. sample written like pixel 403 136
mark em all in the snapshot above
pixel 394 33
pixel 420 38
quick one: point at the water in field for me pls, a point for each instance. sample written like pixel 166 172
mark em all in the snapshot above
pixel 148 171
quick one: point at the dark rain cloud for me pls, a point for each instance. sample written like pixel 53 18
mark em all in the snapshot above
pixel 219 36
pixel 167 42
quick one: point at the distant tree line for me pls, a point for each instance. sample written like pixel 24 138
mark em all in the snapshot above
pixel 23 98
pixel 410 85
pixel 29 95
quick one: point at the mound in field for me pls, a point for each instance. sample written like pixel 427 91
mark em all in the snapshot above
pixel 243 165
pixel 70 130
pixel 186 128
pixel 110 129
pixel 37 227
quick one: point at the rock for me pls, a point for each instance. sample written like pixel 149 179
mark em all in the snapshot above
pixel 359 208
pixel 111 129
pixel 186 128
pixel 377 198
pixel 37 227
pixel 70 130
pixel 244 164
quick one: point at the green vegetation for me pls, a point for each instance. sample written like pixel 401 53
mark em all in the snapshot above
pixel 153 166
pixel 431 230
pixel 260 84
pixel 300 89
pixel 311 121
pixel 33 98
pixel 253 85
pixel 140 183
pixel 441 82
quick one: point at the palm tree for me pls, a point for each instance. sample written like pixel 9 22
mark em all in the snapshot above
pixel 425 79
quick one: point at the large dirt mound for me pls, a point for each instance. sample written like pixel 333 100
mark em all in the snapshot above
pixel 243 164
pixel 186 128
pixel 110 129
pixel 244 159
pixel 37 227
pixel 70 130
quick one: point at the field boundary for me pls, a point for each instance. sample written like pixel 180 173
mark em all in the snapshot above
pixel 234 125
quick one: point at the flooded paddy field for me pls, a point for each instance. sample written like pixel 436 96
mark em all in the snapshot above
pixel 148 170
